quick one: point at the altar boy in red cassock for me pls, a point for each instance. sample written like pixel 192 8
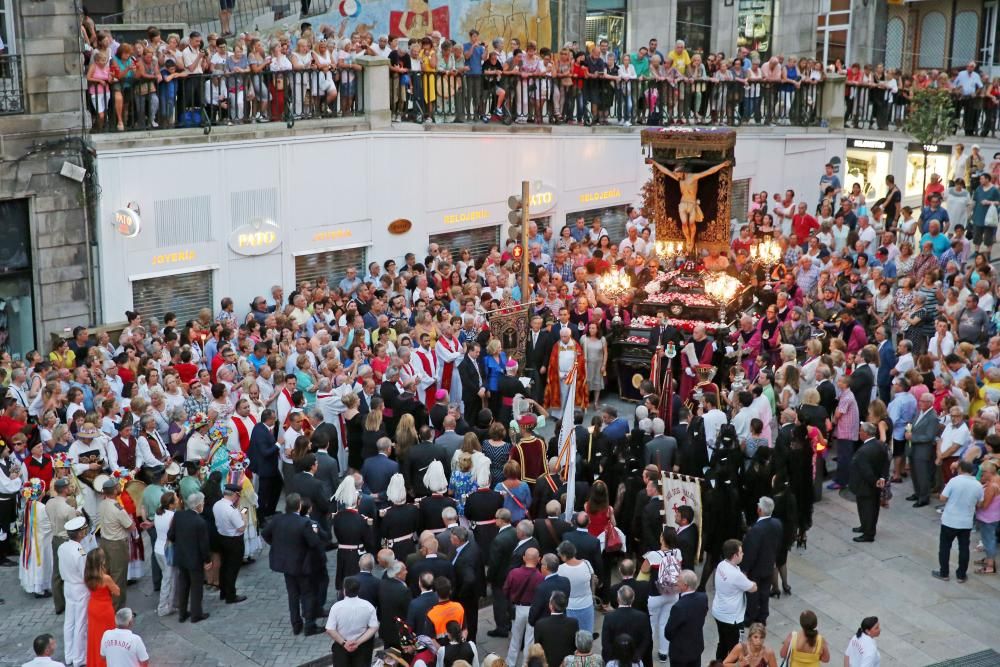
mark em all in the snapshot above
pixel 566 356
pixel 698 351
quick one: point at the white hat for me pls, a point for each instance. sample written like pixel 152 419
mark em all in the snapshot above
pixel 76 523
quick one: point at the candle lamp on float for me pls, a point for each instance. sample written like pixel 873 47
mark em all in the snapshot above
pixel 722 288
pixel 614 284
pixel 669 251
pixel 766 253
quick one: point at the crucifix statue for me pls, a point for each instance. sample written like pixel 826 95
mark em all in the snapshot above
pixel 689 208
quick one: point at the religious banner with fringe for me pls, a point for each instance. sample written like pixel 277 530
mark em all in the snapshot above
pixel 681 490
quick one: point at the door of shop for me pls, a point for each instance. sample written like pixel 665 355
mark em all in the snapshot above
pixel 183 294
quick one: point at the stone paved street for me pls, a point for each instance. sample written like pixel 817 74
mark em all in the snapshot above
pixel 923 620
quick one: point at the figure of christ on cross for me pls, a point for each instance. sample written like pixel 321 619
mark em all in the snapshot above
pixel 689 208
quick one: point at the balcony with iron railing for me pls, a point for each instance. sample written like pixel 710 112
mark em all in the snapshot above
pixel 12 97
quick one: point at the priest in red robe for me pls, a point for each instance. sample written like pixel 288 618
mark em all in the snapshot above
pixel 697 352
pixel 566 358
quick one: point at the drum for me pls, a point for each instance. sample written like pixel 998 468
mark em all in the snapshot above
pixel 135 489
pixel 98 483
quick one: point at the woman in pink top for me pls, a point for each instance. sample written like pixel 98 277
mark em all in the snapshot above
pixel 98 78
pixel 988 516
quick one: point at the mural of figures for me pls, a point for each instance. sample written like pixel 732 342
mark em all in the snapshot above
pixel 521 19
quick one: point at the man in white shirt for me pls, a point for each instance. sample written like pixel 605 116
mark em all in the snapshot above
pixel 121 647
pixel 867 235
pixel 954 439
pixel 44 647
pixel 72 558
pixel 352 625
pixel 229 522
pixel 729 605
pixel 904 362
pixel 112 378
pixel 714 418
pixel 741 420
pixel 634 242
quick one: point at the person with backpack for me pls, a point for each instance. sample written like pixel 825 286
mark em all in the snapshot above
pixel 730 605
pixel 662 566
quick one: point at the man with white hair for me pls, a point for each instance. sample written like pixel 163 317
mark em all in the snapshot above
pixel 567 387
pixel 661 450
pixel 449 353
pixel 120 647
pixel 760 549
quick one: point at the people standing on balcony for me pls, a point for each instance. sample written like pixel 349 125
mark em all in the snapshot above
pixel 348 75
pixel 968 83
pixel 278 64
pixel 99 88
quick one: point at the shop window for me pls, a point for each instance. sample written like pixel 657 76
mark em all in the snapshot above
pixel 612 218
pixel 606 20
pixel 917 176
pixel 694 24
pixel 963 47
pixel 183 293
pixel 868 169
pixel 331 265
pixel 753 26
pixel 477 240
pixel 894 33
pixel 932 40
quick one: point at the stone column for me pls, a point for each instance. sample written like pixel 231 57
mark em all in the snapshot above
pixel 832 105
pixel 376 90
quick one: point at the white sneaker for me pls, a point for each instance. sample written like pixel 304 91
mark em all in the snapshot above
pixel 155 124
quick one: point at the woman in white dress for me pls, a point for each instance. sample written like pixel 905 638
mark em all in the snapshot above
pixel 35 564
pixel 164 516
pixel 957 202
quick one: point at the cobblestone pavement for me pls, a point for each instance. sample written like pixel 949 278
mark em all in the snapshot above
pixel 923 620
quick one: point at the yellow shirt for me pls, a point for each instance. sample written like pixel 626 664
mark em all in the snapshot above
pixel 681 60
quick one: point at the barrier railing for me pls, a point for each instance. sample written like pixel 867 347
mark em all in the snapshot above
pixel 204 100
pixel 516 98
pixel 11 85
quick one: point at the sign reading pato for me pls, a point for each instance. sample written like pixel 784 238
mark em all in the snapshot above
pixel 127 221
pixel 543 198
pixel 258 237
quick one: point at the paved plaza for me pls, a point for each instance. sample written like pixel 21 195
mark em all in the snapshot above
pixel 923 620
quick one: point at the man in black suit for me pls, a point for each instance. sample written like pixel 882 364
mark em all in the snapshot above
pixel 869 470
pixel 862 381
pixel 550 530
pixel 473 387
pixel 263 463
pixel 418 459
pixel 499 558
pixel 393 602
pixel 189 535
pixel 760 549
pixel 525 530
pixel 305 484
pixel 685 626
pixel 687 536
pixel 557 631
pixel 538 347
pixel 327 467
pixel 652 518
pixel 548 487
pixel 640 589
pixel 428 561
pixel 663 334
pixel 409 402
pixel 323 433
pixel 378 470
pixel 661 449
pixel 291 537
pixel 416 614
pixel 367 581
pixel 692 460
pixel 587 546
pixel 470 577
pixel 827 391
pixel 628 621
pixel 550 584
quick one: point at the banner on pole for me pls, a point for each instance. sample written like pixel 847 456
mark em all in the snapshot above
pixel 681 490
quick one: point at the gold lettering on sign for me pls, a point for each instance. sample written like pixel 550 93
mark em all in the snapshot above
pixel 332 235
pixel 468 216
pixel 542 198
pixel 173 257
pixel 256 239
pixel 587 197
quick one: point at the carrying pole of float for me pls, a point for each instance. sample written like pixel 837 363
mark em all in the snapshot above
pixel 525 257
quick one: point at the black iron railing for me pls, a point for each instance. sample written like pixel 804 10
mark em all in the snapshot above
pixel 11 85
pixel 205 100
pixel 514 98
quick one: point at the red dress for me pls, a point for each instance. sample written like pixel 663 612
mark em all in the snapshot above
pixel 599 521
pixel 100 619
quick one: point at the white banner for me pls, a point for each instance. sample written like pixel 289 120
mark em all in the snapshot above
pixel 681 490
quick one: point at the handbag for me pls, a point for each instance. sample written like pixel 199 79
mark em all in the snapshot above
pixel 992 219
pixel 612 538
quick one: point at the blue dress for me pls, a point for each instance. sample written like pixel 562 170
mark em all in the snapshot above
pixel 461 485
pixel 494 371
pixel 516 500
